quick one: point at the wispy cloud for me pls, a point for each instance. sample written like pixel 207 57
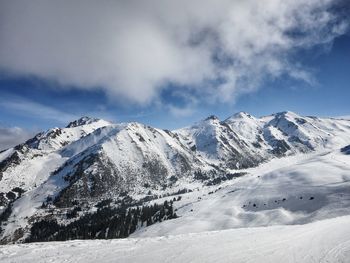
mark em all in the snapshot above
pixel 32 109
pixel 132 49
pixel 11 136
pixel 181 111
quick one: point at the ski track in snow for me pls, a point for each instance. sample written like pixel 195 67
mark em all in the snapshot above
pixel 321 241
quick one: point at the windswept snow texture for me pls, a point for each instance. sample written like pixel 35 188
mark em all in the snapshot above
pixel 323 241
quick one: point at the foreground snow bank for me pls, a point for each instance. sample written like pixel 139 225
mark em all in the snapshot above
pixel 322 241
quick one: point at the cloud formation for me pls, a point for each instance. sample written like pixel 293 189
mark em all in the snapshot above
pixel 12 136
pixel 133 49
pixel 29 108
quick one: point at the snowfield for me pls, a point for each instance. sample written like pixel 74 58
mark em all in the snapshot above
pixel 322 241
pixel 292 190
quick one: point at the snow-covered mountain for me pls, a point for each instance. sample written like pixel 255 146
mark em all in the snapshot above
pixel 30 163
pixel 251 170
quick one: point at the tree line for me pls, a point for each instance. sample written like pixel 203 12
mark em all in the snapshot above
pixel 106 223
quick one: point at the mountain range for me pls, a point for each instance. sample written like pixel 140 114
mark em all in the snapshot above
pixel 216 174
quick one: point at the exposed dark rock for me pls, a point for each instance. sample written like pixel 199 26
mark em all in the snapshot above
pixel 12 160
pixel 82 121
pixel 345 150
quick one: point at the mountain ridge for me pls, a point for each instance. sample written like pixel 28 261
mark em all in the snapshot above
pixel 93 160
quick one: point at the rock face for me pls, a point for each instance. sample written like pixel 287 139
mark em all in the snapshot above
pixel 346 150
pixel 92 160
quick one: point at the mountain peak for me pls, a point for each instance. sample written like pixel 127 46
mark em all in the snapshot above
pixel 82 121
pixel 239 116
pixel 211 117
pixel 286 114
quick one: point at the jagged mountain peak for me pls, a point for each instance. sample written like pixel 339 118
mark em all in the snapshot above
pixel 287 118
pixel 239 116
pixel 57 138
pixel 82 121
pixel 286 114
pixel 279 115
pixel 211 118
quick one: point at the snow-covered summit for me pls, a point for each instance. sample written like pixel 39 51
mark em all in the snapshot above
pixel 239 115
pixel 30 163
pixel 56 138
pixel 82 121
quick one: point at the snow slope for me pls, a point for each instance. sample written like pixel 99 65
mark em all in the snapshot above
pixel 292 190
pixel 322 241
pixel 37 158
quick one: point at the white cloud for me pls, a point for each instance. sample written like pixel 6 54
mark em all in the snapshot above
pixel 11 136
pixel 181 111
pixel 32 109
pixel 132 48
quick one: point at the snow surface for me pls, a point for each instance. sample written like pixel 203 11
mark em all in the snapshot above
pixel 32 172
pixel 293 190
pixel 322 241
pixel 43 156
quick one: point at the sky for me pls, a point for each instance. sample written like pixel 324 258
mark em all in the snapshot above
pixel 169 63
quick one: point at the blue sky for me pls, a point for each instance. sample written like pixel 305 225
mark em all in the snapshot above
pixel 63 70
